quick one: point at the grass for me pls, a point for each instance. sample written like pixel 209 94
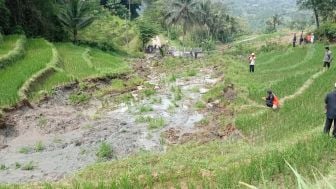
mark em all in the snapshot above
pixel 79 97
pixel 200 105
pixel 3 167
pixel 49 83
pixel 108 63
pixel 105 151
pixel 73 62
pixel 156 123
pixel 8 44
pixel 152 122
pixel 289 134
pixel 29 166
pixel 145 108
pixel 24 150
pixel 39 146
pixel 38 54
pixel 268 138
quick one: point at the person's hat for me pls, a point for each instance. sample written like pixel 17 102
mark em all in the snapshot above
pixel 253 54
pixel 327 48
pixel 269 91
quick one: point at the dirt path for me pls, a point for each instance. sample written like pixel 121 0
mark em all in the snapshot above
pixel 56 138
pixel 303 88
pixel 299 92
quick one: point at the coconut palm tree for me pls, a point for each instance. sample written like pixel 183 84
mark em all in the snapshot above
pixel 75 15
pixel 184 13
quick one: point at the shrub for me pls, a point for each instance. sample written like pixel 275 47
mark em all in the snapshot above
pixel 327 31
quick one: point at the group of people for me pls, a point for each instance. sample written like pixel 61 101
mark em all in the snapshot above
pixel 272 100
pixel 310 38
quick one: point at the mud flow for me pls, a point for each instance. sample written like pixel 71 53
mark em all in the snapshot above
pixel 57 138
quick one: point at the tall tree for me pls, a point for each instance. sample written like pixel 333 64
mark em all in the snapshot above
pixel 184 13
pixel 318 6
pixel 4 17
pixel 75 15
pixel 34 17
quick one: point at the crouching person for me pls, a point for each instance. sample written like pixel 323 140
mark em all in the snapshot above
pixel 272 100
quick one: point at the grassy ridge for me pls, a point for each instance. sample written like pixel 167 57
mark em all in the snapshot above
pixel 8 44
pixel 38 54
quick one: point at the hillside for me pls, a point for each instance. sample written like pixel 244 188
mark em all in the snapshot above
pixel 216 129
pixel 257 12
pixel 93 95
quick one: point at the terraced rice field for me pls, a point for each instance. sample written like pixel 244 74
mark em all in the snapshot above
pixel 38 54
pixel 291 134
pixel 267 138
pixel 75 63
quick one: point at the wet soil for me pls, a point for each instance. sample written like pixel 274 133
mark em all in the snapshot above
pixel 57 138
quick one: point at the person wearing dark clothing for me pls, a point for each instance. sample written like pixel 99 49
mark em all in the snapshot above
pixel 272 101
pixel 294 40
pixel 330 105
pixel 301 38
pixel 269 99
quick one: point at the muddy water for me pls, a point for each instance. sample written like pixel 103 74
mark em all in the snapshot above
pixel 71 135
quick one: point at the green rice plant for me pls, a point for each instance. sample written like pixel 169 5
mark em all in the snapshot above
pixel 38 54
pixel 135 81
pixel 108 63
pixel 149 92
pixel 3 167
pixel 13 54
pixel 79 97
pixel 39 146
pixel 172 78
pixel 29 166
pixel 25 150
pixel 17 165
pixel 191 73
pixel 144 109
pixel 118 85
pixel 48 84
pixel 177 93
pixel 8 43
pixel 156 123
pixel 73 62
pixel 105 151
pixel 200 105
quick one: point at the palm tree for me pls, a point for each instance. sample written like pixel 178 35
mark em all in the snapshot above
pixel 75 15
pixel 184 13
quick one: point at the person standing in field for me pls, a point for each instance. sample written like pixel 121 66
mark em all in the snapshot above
pixel 252 60
pixel 330 106
pixel 301 38
pixel 294 40
pixel 327 58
